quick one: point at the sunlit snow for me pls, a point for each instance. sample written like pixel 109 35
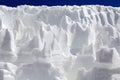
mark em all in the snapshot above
pixel 60 43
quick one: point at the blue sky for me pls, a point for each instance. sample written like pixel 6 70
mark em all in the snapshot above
pixel 14 3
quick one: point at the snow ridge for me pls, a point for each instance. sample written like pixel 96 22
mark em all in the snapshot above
pixel 60 42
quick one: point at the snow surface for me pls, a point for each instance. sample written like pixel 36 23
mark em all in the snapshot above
pixel 60 43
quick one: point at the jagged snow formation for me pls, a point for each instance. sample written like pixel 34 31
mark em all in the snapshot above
pixel 60 43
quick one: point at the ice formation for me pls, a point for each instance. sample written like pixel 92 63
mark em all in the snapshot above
pixel 60 43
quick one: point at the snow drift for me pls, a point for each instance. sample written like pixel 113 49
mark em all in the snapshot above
pixel 60 43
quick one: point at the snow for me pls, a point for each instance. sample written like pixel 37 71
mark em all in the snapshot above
pixel 60 42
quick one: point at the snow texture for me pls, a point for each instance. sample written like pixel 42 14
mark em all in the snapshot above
pixel 60 43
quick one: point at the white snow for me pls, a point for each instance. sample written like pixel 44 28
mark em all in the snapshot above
pixel 60 42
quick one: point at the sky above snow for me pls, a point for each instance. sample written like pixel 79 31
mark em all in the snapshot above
pixel 14 3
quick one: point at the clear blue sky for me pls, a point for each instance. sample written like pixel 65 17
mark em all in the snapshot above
pixel 14 3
